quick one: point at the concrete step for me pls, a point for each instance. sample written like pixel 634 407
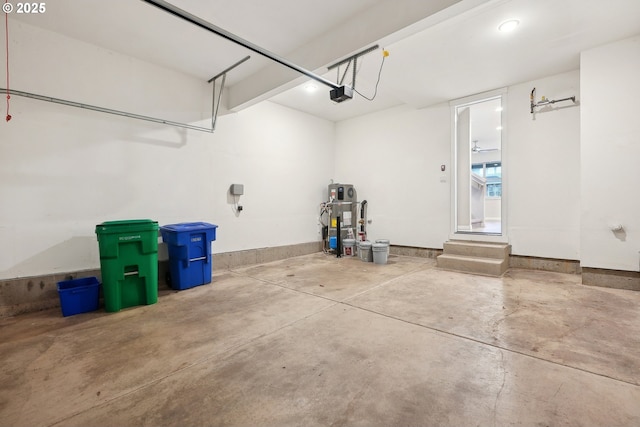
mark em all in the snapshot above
pixel 477 249
pixel 472 264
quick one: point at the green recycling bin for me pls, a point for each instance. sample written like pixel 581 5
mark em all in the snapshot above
pixel 128 262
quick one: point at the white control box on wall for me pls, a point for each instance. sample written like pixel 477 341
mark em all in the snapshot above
pixel 236 189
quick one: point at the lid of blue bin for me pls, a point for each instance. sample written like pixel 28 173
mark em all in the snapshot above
pixel 188 226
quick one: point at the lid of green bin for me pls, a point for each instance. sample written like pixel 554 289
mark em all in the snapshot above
pixel 127 225
pixel 129 222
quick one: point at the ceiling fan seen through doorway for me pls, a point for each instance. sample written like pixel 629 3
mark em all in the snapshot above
pixel 477 149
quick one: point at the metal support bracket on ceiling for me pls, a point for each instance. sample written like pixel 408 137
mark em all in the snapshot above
pixel 352 59
pixel 215 106
pixel 175 11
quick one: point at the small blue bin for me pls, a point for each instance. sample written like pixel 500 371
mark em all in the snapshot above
pixel 333 242
pixel 189 247
pixel 79 295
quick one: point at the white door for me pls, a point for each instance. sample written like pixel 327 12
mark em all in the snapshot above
pixel 478 147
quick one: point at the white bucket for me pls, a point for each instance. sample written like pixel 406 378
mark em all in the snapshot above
pixel 349 247
pixel 364 251
pixel 379 251
pixel 385 242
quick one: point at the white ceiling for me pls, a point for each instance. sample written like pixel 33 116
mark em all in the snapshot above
pixel 439 49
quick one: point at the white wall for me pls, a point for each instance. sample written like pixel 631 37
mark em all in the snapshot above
pixel 493 209
pixel 610 156
pixel 393 158
pixel 63 170
pixel 543 199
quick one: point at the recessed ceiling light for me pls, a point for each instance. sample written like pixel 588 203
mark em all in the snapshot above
pixel 499 128
pixel 499 109
pixel 310 87
pixel 508 26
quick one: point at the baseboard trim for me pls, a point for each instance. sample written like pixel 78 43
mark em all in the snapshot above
pixel 28 294
pixel 230 260
pixel 617 279
pixel 546 264
pixel 415 251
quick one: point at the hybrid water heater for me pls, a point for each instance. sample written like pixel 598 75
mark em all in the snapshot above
pixel 343 200
pixel 342 217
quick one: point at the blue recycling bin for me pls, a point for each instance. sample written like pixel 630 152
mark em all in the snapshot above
pixel 189 245
pixel 79 295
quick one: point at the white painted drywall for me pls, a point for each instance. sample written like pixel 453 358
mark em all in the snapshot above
pixel 393 158
pixel 543 200
pixel 492 208
pixel 63 170
pixel 610 155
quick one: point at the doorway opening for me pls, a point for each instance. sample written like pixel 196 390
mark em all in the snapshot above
pixel 478 152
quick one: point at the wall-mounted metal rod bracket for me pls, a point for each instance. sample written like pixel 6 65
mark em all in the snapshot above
pixel 545 101
pixel 214 108
pixel 105 110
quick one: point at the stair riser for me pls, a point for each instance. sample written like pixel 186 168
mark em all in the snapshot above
pixel 497 252
pixel 473 266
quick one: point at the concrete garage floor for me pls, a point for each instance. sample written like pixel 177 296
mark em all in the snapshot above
pixel 316 340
